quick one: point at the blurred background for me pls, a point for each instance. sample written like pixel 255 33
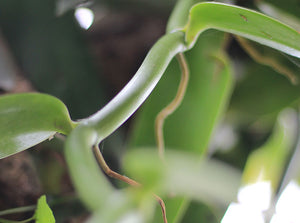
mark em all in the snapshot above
pixel 84 52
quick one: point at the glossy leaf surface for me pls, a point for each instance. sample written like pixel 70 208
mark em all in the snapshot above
pixel 28 119
pixel 244 22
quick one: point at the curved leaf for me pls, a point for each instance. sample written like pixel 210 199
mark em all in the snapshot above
pixel 28 119
pixel 43 213
pixel 244 22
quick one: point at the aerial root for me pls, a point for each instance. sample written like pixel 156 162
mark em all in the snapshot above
pixel 271 62
pixel 125 179
pixel 170 108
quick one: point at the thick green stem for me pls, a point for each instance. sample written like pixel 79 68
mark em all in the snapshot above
pixel 10 221
pixel 115 113
pixel 90 183
pixel 180 15
pixel 18 210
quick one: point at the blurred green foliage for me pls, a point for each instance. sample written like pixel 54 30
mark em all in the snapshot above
pixel 54 54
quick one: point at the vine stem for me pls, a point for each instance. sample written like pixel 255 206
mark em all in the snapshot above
pixel 170 108
pixel 125 179
pixel 124 104
pixel 18 210
pixel 10 221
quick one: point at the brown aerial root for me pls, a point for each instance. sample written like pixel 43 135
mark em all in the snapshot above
pixel 170 108
pixel 125 179
pixel 271 62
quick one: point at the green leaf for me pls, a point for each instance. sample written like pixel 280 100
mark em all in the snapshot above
pixel 43 213
pixel 279 13
pixel 268 162
pixel 28 119
pixel 291 7
pixel 183 174
pixel 244 22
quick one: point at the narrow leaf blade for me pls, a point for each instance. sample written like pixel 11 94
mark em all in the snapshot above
pixel 244 22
